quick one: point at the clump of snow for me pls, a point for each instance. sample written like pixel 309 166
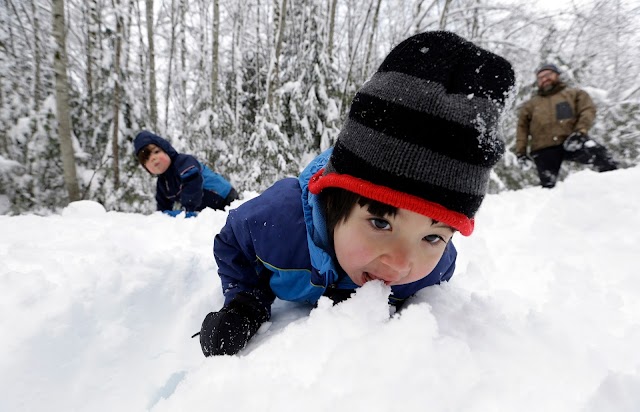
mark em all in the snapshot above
pixel 84 208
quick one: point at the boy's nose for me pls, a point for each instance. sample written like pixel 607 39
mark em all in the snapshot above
pixel 399 261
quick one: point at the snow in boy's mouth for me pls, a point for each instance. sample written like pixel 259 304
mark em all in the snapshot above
pixel 367 277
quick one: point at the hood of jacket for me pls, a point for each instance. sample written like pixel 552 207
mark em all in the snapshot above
pixel 320 248
pixel 145 138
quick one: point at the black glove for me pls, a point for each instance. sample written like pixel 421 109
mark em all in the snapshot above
pixel 525 162
pixel 227 331
pixel 575 141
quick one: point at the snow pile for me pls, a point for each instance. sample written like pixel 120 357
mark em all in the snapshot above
pixel 98 309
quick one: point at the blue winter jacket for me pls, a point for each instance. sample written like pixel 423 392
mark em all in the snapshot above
pixel 185 180
pixel 277 245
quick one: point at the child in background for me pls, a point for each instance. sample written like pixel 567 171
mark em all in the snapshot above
pixel 410 168
pixel 184 184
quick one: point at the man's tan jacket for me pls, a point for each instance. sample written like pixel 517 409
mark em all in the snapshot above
pixel 548 118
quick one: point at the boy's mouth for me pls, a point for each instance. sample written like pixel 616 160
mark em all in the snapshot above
pixel 367 277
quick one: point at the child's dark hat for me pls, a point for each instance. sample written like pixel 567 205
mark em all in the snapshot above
pixel 422 133
pixel 142 139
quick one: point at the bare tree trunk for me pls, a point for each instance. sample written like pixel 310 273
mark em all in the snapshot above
pixel 183 51
pixel 236 64
pixel 374 28
pixel 37 95
pixel 153 103
pixel 214 52
pixel 125 76
pixel 272 79
pixel 616 56
pixel 4 145
pixel 475 24
pixel 7 52
pixel 141 58
pixel 332 25
pixel 258 54
pixel 172 49
pixel 62 103
pixel 353 54
pixel 420 15
pixel 443 16
pixel 92 38
pixel 115 146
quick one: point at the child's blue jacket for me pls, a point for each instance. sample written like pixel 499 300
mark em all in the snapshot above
pixel 276 245
pixel 186 178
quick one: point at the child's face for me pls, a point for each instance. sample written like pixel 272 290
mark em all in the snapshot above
pixel 158 161
pixel 395 249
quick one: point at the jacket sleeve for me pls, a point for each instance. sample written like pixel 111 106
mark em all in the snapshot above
pixel 190 174
pixel 585 112
pixel 238 266
pixel 522 131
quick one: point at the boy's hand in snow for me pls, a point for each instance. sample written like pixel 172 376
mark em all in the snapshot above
pixel 175 213
pixel 227 331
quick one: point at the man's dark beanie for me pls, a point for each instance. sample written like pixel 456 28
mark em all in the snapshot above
pixel 549 66
pixel 422 133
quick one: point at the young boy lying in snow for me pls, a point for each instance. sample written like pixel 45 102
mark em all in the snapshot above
pixel 184 184
pixel 409 169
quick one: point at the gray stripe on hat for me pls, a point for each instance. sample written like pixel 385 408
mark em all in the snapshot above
pixel 431 97
pixel 401 158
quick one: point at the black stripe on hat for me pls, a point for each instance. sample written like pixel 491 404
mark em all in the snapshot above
pixel 413 161
pixel 448 138
pixel 432 97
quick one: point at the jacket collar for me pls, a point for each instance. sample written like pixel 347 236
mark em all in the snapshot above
pixel 320 248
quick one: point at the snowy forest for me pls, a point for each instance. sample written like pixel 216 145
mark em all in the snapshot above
pixel 255 88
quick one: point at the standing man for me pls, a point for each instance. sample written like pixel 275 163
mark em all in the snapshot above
pixel 555 122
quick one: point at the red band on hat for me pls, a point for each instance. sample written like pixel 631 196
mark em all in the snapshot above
pixel 392 197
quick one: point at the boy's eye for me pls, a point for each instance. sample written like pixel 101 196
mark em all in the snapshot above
pixel 380 223
pixel 434 239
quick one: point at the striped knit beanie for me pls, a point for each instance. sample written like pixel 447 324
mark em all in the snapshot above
pixel 422 132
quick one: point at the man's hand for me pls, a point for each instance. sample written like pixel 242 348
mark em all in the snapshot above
pixel 575 141
pixel 525 162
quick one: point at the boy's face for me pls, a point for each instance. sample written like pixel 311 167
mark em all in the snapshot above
pixel 158 161
pixel 395 249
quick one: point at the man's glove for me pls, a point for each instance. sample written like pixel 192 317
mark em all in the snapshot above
pixel 525 162
pixel 175 213
pixel 575 141
pixel 227 331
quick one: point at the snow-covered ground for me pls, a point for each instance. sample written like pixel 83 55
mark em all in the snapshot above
pixel 97 310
